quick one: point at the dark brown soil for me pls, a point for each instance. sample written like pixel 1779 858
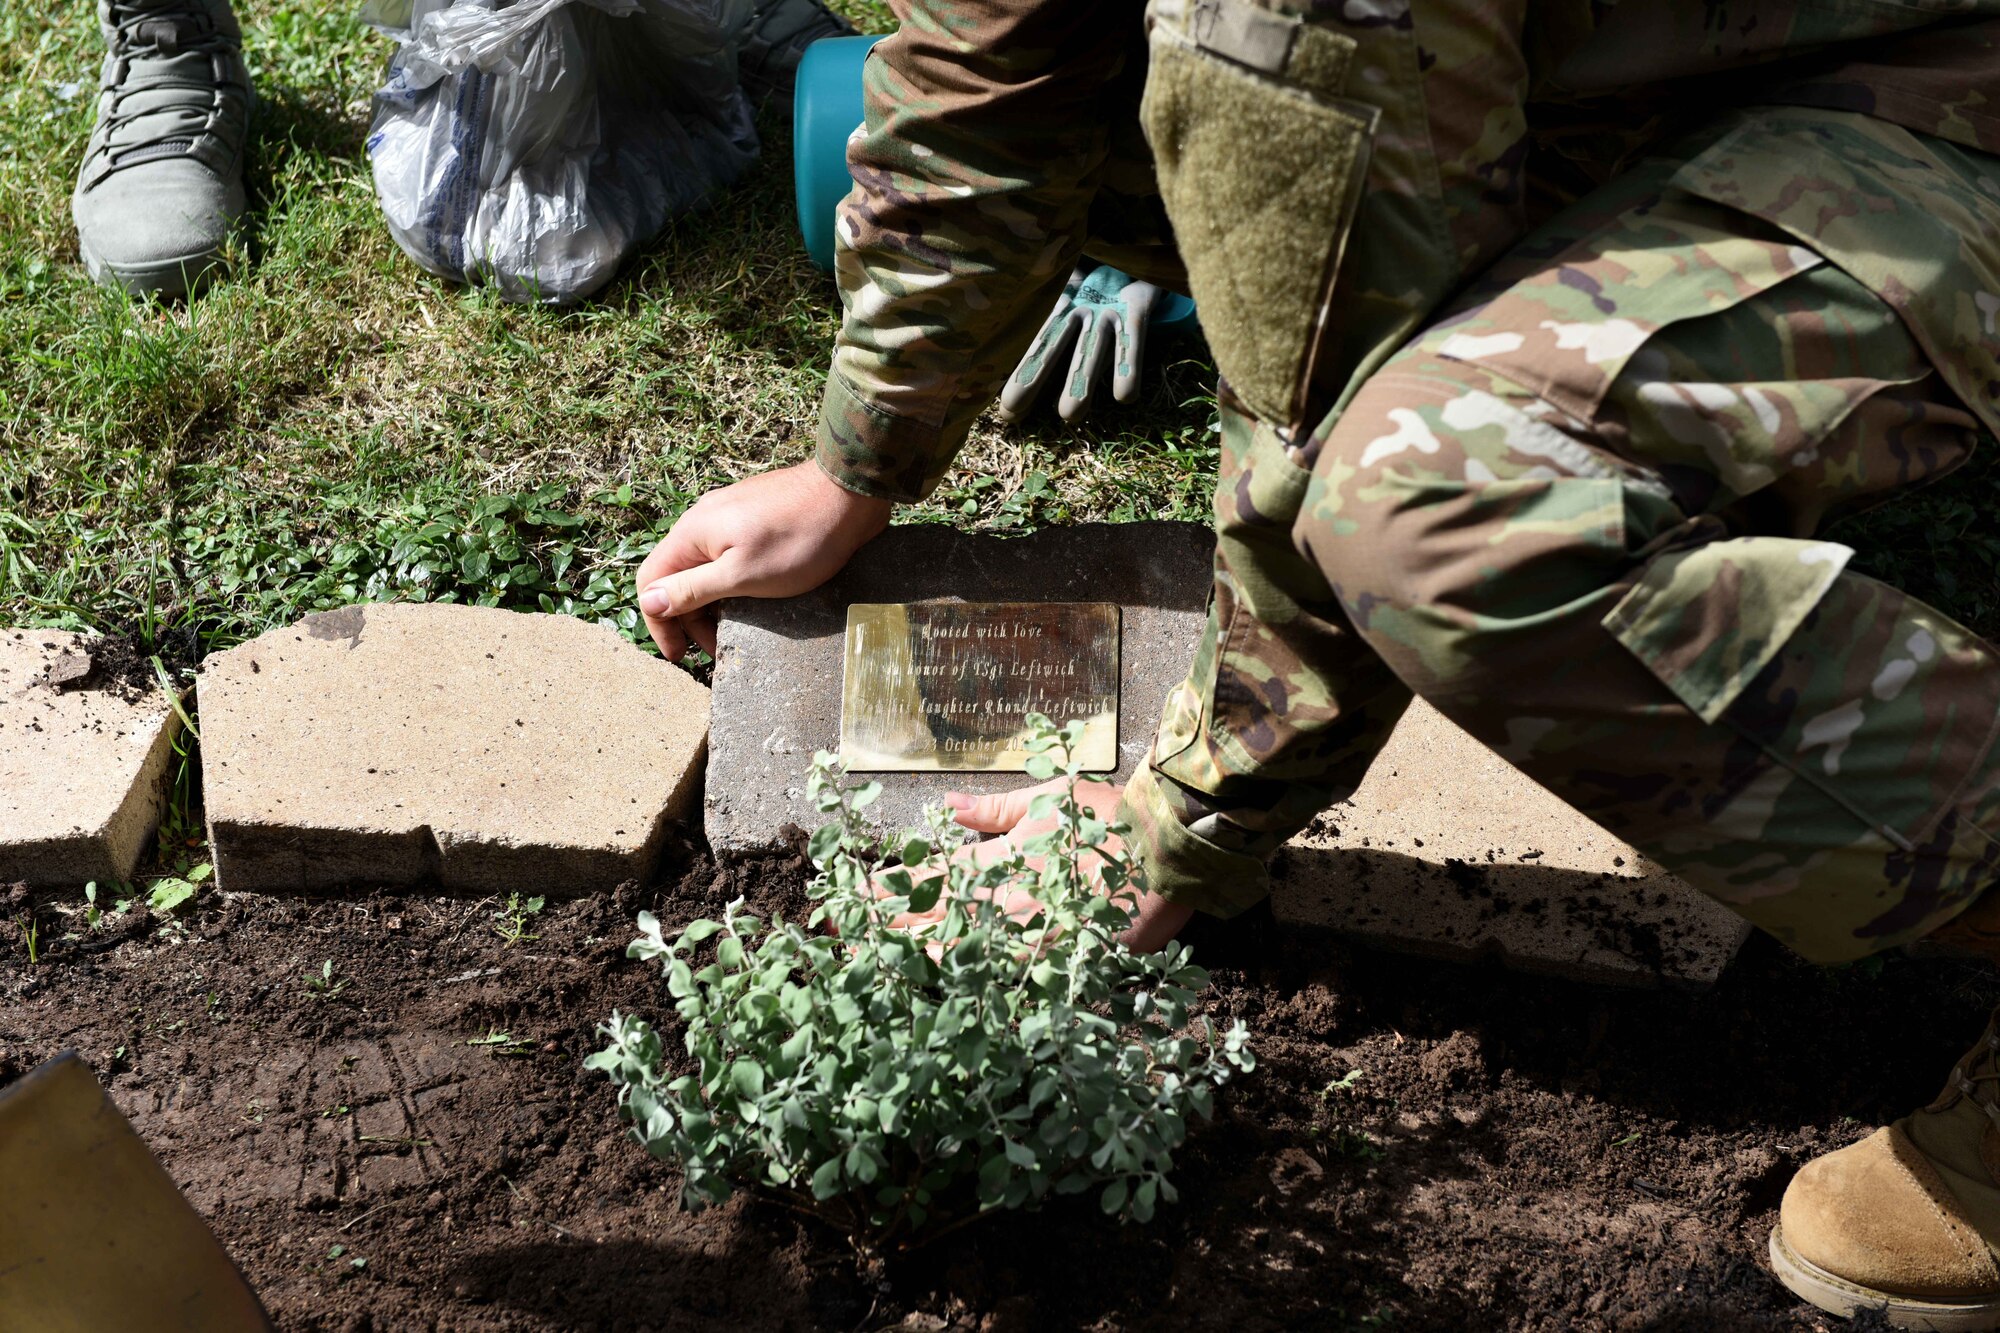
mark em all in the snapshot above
pixel 1515 1153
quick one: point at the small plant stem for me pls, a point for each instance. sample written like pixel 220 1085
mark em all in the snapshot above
pixel 772 1196
pixel 876 925
pixel 363 1218
pixel 932 1237
pixel 902 1209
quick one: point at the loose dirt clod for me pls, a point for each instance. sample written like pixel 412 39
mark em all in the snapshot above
pixel 111 663
pixel 68 670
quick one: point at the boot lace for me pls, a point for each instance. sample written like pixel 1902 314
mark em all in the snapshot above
pixel 152 36
pixel 1981 1066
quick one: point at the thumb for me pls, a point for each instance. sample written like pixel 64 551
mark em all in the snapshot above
pixel 690 589
pixel 995 812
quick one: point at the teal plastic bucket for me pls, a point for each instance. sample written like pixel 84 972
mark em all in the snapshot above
pixel 826 110
pixel 1174 313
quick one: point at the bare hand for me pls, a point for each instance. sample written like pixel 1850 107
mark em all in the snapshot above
pixel 1006 815
pixel 777 534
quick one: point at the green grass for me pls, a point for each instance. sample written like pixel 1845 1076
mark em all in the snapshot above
pixel 330 424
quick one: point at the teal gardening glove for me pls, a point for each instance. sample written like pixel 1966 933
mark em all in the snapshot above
pixel 1103 314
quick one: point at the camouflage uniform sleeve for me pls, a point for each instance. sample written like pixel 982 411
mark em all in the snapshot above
pixel 986 136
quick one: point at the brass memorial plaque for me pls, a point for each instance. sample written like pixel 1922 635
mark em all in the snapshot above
pixel 937 686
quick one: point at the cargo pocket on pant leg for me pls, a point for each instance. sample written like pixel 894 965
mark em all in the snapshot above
pixel 1260 165
pixel 1905 214
pixel 1567 332
pixel 1707 619
pixel 1873 718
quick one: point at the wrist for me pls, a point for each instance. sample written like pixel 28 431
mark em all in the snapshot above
pixel 855 513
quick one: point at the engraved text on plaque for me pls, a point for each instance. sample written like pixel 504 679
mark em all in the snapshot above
pixel 949 685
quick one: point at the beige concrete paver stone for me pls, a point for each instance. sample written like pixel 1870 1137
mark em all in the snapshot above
pixel 83 761
pixel 1446 849
pixel 486 750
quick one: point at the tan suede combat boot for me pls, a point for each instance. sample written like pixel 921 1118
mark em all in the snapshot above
pixel 1906 1221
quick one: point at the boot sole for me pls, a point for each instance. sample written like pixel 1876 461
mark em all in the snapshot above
pixel 167 277
pixel 1836 1295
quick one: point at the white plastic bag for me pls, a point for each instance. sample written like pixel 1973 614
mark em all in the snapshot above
pixel 536 145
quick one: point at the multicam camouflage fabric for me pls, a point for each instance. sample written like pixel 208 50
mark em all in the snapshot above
pixel 1575 508
pixel 988 143
pixel 1003 140
pixel 1578 518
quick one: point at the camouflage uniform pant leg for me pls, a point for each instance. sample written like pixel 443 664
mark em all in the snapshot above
pixel 1282 710
pixel 1580 518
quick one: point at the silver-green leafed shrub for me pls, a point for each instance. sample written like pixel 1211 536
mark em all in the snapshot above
pixel 898 1082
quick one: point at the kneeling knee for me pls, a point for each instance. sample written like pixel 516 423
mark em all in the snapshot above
pixel 1443 495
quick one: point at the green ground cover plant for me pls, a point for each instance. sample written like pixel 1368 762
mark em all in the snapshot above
pixel 173 892
pixel 900 1080
pixel 324 985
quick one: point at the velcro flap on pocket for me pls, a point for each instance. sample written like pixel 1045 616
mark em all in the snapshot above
pixel 1707 619
pixel 1260 179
